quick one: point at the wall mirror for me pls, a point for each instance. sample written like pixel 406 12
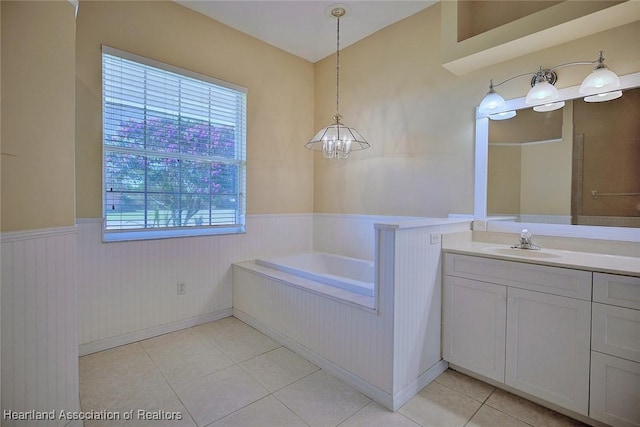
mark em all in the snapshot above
pixel 568 171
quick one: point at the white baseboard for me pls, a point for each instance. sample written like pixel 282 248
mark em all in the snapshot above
pixel 144 334
pixel 403 396
pixel 382 397
pixel 391 402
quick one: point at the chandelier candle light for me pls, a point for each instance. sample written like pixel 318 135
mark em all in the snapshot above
pixel 336 141
pixel 600 85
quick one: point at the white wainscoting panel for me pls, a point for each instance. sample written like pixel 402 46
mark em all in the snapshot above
pixel 128 290
pixel 348 235
pixel 356 339
pixel 417 304
pixel 389 354
pixel 39 323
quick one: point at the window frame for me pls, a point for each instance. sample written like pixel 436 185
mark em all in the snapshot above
pixel 148 233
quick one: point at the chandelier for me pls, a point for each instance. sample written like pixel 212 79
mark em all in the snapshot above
pixel 337 141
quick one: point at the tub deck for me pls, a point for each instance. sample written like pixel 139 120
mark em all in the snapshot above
pixel 350 274
pixel 341 295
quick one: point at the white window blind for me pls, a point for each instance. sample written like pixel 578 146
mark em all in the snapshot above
pixel 174 150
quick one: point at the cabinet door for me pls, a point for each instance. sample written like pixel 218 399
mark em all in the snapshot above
pixel 474 315
pixel 548 347
pixel 615 390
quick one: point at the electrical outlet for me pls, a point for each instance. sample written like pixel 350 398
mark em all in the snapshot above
pixel 435 238
pixel 182 288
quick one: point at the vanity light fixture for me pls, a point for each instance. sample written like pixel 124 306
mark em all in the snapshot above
pixel 600 82
pixel 337 141
pixel 542 89
pixel 601 85
pixel 492 102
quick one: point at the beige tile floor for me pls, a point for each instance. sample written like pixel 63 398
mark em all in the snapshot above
pixel 226 373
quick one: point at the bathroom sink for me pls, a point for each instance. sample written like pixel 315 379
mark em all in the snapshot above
pixel 524 253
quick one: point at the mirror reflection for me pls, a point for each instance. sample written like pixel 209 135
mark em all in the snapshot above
pixel 579 165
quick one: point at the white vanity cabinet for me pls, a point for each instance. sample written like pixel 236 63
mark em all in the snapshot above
pixel 615 355
pixel 547 352
pixel 526 325
pixel 474 318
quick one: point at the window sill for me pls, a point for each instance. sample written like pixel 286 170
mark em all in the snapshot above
pixel 109 236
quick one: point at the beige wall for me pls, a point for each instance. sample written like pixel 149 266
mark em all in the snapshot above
pixel 419 117
pixel 533 178
pixel 477 17
pixel 546 179
pixel 503 180
pixel 419 124
pixel 280 95
pixel 38 61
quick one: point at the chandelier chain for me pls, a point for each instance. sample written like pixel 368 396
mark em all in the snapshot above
pixel 338 67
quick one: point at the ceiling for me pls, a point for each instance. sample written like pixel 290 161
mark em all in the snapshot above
pixel 306 28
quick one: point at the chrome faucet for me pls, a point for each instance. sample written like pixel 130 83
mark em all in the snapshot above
pixel 525 241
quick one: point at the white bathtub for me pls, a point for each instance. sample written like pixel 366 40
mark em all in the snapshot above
pixel 351 274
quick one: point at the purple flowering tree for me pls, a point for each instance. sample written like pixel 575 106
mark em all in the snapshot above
pixel 180 181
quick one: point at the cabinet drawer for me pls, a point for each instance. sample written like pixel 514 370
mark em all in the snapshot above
pixel 623 291
pixel 551 280
pixel 616 331
pixel 615 390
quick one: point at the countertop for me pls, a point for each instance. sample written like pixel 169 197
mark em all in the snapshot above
pixel 597 262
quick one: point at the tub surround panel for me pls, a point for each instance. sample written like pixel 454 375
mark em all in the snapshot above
pixel 39 322
pixel 354 235
pixel 128 290
pixel 390 353
pixel 359 341
pixel 351 274
pixel 346 235
pixel 417 300
pixel 326 364
pixel 362 301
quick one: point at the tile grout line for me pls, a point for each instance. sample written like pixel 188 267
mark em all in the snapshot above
pixel 170 386
pixel 344 420
pixel 482 402
pixel 214 342
pixel 282 388
pixel 510 415
pixel 354 414
pixel 269 392
pixel 210 340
